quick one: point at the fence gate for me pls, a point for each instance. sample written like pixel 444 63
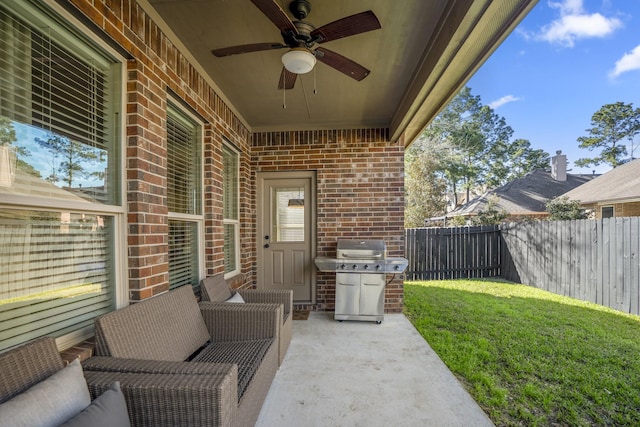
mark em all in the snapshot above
pixel 453 253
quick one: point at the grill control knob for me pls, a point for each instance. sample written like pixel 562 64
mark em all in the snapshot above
pixel 355 267
pixel 366 266
pixel 396 267
pixel 377 266
pixel 343 266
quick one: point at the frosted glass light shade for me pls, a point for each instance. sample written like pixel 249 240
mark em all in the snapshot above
pixel 299 61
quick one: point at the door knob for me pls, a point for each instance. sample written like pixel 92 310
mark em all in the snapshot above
pixel 266 245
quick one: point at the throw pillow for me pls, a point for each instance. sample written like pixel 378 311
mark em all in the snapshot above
pixel 236 298
pixel 107 410
pixel 50 402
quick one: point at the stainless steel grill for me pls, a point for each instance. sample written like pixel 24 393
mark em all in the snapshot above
pixel 361 267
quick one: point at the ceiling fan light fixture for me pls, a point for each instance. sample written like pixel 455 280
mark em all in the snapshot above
pixel 299 60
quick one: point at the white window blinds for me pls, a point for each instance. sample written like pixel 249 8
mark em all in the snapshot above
pixel 183 164
pixel 59 95
pixel 231 222
pixel 56 273
pixel 183 197
pixel 57 111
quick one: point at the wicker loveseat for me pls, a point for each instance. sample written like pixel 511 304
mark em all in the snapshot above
pixel 180 363
pixel 216 289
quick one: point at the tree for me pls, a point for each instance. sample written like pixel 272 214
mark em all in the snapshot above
pixel 493 214
pixel 476 149
pixel 561 209
pixel 424 186
pixel 74 156
pixel 611 124
pixel 8 138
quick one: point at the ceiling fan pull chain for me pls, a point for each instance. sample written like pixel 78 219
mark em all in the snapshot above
pixel 315 90
pixel 284 98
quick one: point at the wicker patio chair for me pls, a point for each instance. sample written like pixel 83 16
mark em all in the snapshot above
pixel 181 363
pixel 216 289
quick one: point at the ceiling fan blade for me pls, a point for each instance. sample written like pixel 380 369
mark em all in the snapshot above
pixel 287 79
pixel 342 64
pixel 246 48
pixel 274 12
pixel 349 26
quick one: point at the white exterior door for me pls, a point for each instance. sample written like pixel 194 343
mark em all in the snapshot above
pixel 286 233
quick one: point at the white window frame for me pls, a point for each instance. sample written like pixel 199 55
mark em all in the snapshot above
pixel 613 211
pixel 234 222
pixel 117 211
pixel 194 218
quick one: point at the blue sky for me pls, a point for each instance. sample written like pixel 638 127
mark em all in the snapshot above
pixel 565 60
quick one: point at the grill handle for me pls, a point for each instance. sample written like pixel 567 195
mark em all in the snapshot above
pixel 344 256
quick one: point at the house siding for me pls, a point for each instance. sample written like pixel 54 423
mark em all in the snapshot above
pixel 359 171
pixel 626 209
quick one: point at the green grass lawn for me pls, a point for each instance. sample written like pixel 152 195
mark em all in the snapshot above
pixel 530 357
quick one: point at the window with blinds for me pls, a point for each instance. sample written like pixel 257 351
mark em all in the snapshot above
pixel 231 220
pixel 183 250
pixel 57 113
pixel 59 149
pixel 183 197
pixel 56 270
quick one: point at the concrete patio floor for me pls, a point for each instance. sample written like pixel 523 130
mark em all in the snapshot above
pixel 362 374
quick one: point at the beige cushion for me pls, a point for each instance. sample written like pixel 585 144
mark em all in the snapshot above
pixel 215 289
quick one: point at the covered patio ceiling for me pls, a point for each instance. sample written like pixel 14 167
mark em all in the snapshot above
pixel 424 53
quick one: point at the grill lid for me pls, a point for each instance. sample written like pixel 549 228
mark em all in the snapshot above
pixel 361 249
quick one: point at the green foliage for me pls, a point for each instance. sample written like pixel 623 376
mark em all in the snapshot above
pixel 424 188
pixel 457 221
pixel 561 209
pixel 611 124
pixel 68 158
pixel 7 131
pixel 476 147
pixel 492 215
pixel 530 357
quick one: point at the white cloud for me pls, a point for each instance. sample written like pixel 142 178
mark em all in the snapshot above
pixel 574 24
pixel 567 7
pixel 504 100
pixel 630 61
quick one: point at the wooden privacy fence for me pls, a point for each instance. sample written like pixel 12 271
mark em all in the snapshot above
pixel 452 253
pixel 591 260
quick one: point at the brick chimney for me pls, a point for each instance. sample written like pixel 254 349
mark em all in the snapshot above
pixel 559 166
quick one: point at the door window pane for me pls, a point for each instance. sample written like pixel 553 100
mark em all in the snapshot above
pixel 289 214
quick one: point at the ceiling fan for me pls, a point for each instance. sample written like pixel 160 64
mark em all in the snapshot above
pixel 301 38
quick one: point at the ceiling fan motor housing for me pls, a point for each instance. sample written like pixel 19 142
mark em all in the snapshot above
pixel 300 8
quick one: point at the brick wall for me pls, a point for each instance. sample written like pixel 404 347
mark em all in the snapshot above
pixel 360 173
pixel 620 209
pixel 360 191
pixel 156 70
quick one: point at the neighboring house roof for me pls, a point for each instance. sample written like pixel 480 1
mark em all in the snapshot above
pixel 524 196
pixel 618 185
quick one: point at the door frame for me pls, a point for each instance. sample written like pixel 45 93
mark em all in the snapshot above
pixel 261 177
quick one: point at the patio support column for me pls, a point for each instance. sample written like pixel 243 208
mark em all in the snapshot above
pixel 146 169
